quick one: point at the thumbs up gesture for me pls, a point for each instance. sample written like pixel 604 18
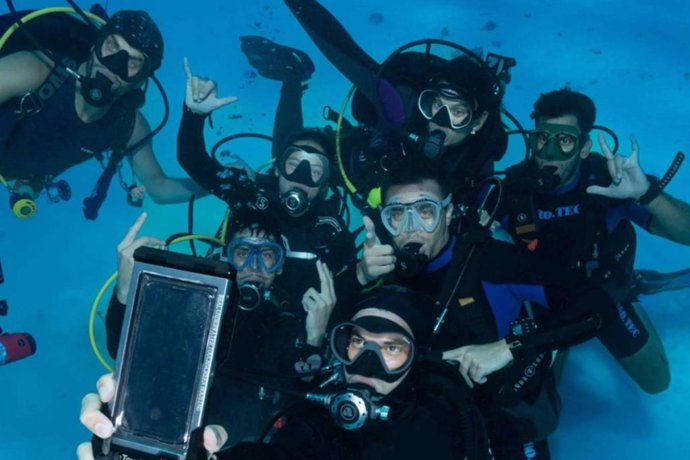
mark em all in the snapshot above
pixel 377 260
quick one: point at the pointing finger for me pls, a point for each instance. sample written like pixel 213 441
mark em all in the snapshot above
pixel 187 69
pixel 371 238
pixel 134 229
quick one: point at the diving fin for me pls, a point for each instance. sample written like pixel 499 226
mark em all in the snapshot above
pixel 276 62
pixel 646 282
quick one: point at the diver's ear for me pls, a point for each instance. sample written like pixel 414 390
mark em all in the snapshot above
pixel 480 121
pixel 584 152
pixel 449 213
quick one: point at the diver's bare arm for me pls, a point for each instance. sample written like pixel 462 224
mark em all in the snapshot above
pixel 670 218
pixel 20 73
pixel 162 188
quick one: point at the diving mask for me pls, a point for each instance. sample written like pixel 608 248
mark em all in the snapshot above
pixel 423 214
pixel 304 165
pixel 555 142
pixel 445 107
pixel 127 67
pixel 255 252
pixel 373 347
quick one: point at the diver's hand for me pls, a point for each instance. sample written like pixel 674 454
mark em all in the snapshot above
pixel 479 361
pixel 92 417
pixel 125 256
pixel 201 94
pixel 629 181
pixel 100 425
pixel 377 260
pixel 319 306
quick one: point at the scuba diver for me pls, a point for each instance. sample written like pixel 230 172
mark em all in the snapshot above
pixel 81 100
pixel 448 110
pixel 577 208
pixel 17 345
pixel 294 192
pixel 390 401
pixel 498 310
pixel 263 341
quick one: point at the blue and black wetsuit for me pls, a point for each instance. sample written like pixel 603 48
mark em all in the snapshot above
pixel 519 402
pixel 593 236
pixel 584 232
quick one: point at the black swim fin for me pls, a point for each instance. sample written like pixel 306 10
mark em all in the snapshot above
pixel 276 62
pixel 648 282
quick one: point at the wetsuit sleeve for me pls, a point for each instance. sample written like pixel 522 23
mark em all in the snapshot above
pixel 289 119
pixel 114 318
pixel 191 153
pixel 628 210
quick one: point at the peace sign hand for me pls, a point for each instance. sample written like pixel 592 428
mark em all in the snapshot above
pixel 201 93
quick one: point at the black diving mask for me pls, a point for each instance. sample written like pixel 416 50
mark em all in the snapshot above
pixel 373 347
pixel 129 68
pixel 304 165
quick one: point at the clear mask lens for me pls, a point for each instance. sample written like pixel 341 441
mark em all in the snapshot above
pixel 432 102
pixel 422 214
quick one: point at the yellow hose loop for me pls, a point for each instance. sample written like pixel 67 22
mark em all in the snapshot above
pixel 111 280
pixel 41 12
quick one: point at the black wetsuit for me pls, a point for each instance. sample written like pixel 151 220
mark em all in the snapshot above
pixel 320 234
pixel 389 106
pixel 587 233
pixel 47 143
pixel 519 402
pixel 428 420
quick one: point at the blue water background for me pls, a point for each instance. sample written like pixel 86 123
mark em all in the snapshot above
pixel 631 57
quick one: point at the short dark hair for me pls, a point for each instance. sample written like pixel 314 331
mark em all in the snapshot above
pixel 474 80
pixel 415 169
pixel 566 102
pixel 255 220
